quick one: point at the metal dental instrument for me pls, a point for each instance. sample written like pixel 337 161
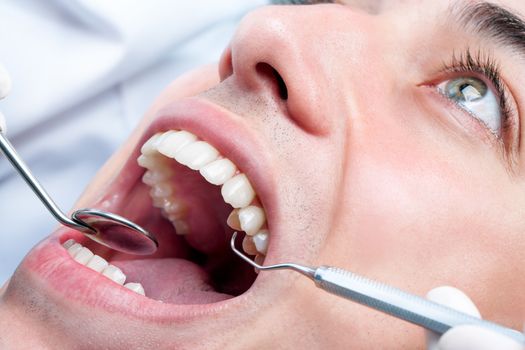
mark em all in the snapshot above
pixel 382 297
pixel 105 228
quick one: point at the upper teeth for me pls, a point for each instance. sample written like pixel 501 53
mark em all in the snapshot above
pixel 251 219
pixel 238 191
pixel 219 171
pixel 97 263
pixel 185 148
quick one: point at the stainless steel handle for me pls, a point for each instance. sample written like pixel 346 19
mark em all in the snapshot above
pixel 37 188
pixel 398 303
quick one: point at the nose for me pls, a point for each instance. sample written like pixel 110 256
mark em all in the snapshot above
pixel 280 51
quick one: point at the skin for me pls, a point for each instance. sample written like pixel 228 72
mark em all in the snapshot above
pixel 373 171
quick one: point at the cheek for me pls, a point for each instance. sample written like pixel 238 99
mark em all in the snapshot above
pixel 400 195
pixel 425 209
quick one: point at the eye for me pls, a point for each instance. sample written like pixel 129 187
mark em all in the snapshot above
pixel 474 96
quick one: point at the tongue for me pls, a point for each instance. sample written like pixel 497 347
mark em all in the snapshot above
pixel 175 281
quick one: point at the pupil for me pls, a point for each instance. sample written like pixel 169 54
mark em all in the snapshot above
pixel 471 92
pixel 463 86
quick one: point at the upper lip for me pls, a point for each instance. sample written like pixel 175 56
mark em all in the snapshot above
pixel 234 139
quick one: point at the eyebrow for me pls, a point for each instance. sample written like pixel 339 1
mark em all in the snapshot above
pixel 494 21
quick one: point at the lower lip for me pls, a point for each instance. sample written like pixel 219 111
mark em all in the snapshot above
pixel 51 265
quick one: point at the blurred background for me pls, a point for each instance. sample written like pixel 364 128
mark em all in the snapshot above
pixel 84 72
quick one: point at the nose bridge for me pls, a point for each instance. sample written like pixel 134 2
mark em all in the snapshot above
pixel 301 44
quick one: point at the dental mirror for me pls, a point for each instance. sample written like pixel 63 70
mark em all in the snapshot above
pixel 108 229
pixel 116 232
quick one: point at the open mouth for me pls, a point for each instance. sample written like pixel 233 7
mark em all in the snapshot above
pixel 192 198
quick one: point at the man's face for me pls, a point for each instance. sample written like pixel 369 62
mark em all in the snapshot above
pixel 382 137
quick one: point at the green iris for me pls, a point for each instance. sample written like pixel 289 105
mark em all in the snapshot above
pixel 466 89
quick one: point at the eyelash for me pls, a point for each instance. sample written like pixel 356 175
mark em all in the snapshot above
pixel 484 65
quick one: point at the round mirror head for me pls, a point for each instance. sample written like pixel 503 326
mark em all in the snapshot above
pixel 116 232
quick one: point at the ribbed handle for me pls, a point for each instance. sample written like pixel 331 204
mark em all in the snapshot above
pixel 395 302
pixel 9 151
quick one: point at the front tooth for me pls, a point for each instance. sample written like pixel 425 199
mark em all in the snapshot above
pixel 150 147
pixel 74 249
pixel 238 191
pixel 174 141
pixel 260 239
pixel 97 263
pixel 148 162
pixel 218 171
pixel 67 244
pixel 83 256
pixel 115 274
pixel 251 219
pixel 196 155
pixel 136 287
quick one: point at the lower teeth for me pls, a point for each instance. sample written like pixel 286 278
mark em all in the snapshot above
pixel 85 257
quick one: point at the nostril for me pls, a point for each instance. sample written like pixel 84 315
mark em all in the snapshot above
pixel 269 73
pixel 283 91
